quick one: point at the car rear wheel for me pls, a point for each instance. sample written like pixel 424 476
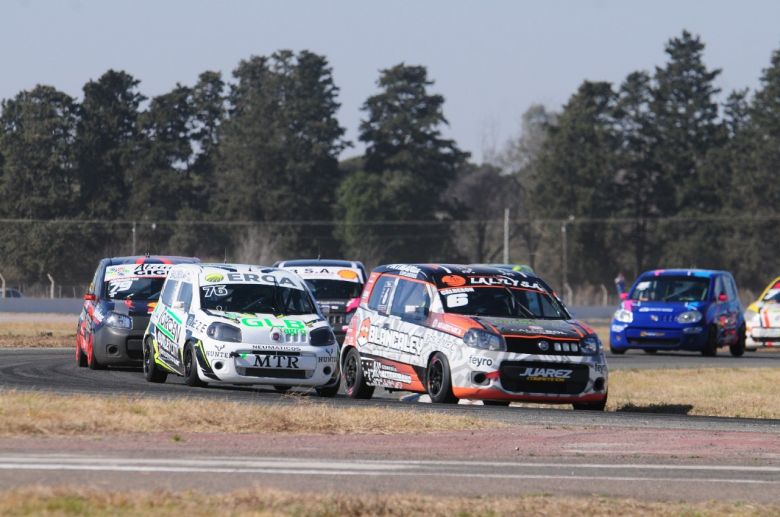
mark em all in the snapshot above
pixel 152 372
pixel 191 377
pixel 711 347
pixel 354 382
pixel 651 351
pixel 738 348
pixel 617 351
pixel 282 389
pixel 496 402
pixel 438 381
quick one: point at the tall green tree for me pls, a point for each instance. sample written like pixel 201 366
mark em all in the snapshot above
pixel 279 147
pixel 107 139
pixel 38 181
pixel 415 164
pixel 576 174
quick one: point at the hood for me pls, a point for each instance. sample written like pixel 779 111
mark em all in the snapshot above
pixel 131 307
pixel 258 327
pixel 534 327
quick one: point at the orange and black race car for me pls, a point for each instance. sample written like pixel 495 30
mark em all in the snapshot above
pixel 471 332
pixel 117 306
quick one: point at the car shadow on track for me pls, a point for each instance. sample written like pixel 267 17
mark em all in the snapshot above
pixel 674 409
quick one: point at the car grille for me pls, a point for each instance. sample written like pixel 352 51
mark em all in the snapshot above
pixel 663 317
pixel 521 345
pixel 512 379
pixel 134 348
pixel 279 373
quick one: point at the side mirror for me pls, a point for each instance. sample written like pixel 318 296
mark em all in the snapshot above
pixel 90 297
pixel 623 296
pixel 722 297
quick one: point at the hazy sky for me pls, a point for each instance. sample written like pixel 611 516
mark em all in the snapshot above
pixel 490 59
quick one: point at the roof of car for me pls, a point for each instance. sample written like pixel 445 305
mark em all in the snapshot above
pixel 435 272
pixel 152 259
pixel 319 262
pixel 684 272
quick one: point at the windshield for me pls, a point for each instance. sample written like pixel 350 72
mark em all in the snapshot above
pixel 147 289
pixel 262 298
pixel 502 302
pixel 334 289
pixel 672 289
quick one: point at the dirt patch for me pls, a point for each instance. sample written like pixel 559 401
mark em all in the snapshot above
pixel 263 502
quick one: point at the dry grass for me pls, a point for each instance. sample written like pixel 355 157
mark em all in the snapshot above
pixel 28 413
pixel 37 330
pixel 733 392
pixel 259 502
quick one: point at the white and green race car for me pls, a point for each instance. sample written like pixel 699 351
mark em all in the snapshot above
pixel 240 324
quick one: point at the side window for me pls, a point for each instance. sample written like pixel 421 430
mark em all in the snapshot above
pixel 380 296
pixel 185 296
pixel 411 300
pixel 168 291
pixel 96 287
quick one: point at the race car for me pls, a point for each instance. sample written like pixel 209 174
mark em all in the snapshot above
pixel 334 283
pixel 680 309
pixel 471 332
pixel 240 324
pixel 116 308
pixel 762 318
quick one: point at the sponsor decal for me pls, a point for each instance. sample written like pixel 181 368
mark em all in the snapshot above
pixel 217 354
pixel 170 325
pixel 276 348
pixel 324 359
pixel 492 281
pixel 651 334
pixel 167 348
pixel 456 290
pixel 294 326
pixel 546 374
pixel 478 361
pixel 656 309
pixel 405 270
pixel 137 270
pixel 394 340
pixel 362 337
pixel 275 361
pixel 386 375
pixel 214 278
pixel 267 279
pixel 453 280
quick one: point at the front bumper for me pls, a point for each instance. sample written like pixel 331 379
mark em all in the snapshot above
pixel 113 346
pixel 756 337
pixel 623 337
pixel 552 379
pixel 300 365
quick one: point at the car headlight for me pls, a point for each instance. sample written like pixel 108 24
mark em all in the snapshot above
pixel 476 338
pixel 322 336
pixel 118 321
pixel 751 316
pixel 224 332
pixel 624 316
pixel 688 317
pixel 590 345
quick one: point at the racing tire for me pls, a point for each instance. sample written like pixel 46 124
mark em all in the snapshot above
pixel 616 351
pixel 496 402
pixel 81 357
pixel 711 346
pixel 591 406
pixel 738 349
pixel 92 360
pixel 281 389
pixel 152 371
pixel 651 351
pixel 438 381
pixel 329 390
pixel 191 377
pixel 354 383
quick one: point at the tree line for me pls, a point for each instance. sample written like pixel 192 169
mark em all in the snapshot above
pixel 652 172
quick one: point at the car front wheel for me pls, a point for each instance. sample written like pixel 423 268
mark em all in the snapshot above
pixel 152 371
pixel 738 348
pixel 191 377
pixel 354 383
pixel 438 381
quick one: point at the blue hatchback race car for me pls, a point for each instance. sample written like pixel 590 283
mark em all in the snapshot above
pixel 680 309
